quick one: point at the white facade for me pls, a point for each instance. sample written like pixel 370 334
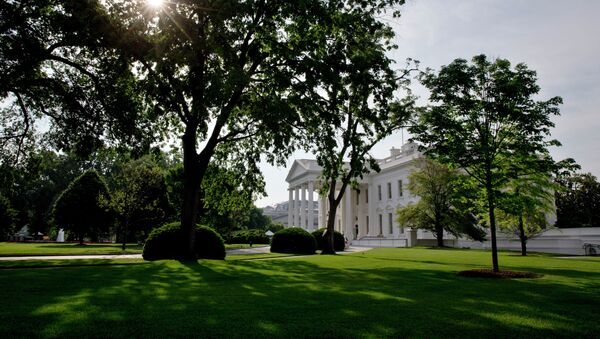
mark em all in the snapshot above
pixel 365 215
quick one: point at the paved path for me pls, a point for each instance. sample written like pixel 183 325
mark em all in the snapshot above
pixel 252 250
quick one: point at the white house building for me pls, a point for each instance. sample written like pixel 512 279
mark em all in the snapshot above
pixel 366 216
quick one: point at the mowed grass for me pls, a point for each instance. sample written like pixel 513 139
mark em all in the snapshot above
pixel 380 293
pixel 11 249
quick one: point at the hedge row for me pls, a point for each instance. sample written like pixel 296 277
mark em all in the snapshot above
pixel 244 237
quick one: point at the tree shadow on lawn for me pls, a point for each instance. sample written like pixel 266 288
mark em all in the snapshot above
pixel 286 298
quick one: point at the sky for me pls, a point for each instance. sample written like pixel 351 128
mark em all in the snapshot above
pixel 558 39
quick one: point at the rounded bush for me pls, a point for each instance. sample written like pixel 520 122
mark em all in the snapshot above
pixel 166 242
pixel 339 243
pixel 209 244
pixel 293 240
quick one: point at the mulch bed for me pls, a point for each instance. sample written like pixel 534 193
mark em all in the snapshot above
pixel 487 273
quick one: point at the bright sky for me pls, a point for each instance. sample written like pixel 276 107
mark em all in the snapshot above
pixel 555 38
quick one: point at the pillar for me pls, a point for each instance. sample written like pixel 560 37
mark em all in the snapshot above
pixel 290 207
pixel 348 221
pixel 322 212
pixel 311 210
pixel 372 212
pixel 303 208
pixel 297 207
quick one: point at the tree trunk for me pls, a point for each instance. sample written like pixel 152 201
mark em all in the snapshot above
pixel 492 215
pixel 522 236
pixel 191 189
pixel 328 238
pixel 439 231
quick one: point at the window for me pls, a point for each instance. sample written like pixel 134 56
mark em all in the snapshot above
pixel 391 223
pixel 380 224
pixel 367 195
pixel 399 188
pixel 367 225
pixel 379 192
pixel 357 197
pixel 389 190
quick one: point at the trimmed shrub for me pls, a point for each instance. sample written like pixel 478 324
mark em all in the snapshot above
pixel 293 240
pixel 339 243
pixel 209 244
pixel 165 243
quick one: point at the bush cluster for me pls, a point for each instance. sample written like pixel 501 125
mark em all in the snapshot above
pixel 293 240
pixel 166 242
pixel 339 243
pixel 257 236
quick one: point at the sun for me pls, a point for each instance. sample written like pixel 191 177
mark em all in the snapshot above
pixel 155 3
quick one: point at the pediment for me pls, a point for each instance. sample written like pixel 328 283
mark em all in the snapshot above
pixel 302 167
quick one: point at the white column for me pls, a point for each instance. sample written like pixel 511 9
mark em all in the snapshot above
pixel 322 212
pixel 349 222
pixel 311 210
pixel 372 214
pixel 290 207
pixel 303 208
pixel 297 207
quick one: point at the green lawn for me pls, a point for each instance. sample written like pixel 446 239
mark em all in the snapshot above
pixel 11 249
pixel 380 293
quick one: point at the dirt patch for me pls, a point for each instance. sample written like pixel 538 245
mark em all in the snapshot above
pixel 487 273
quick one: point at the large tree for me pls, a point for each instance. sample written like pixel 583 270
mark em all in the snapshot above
pixel 484 119
pixel 217 73
pixel 441 206
pixel 352 86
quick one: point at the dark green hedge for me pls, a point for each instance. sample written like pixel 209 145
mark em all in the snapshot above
pixel 339 243
pixel 243 237
pixel 293 240
pixel 166 242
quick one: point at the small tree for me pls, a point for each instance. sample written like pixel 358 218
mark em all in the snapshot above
pixel 524 204
pixel 484 113
pixel 78 208
pixel 140 201
pixel 439 207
